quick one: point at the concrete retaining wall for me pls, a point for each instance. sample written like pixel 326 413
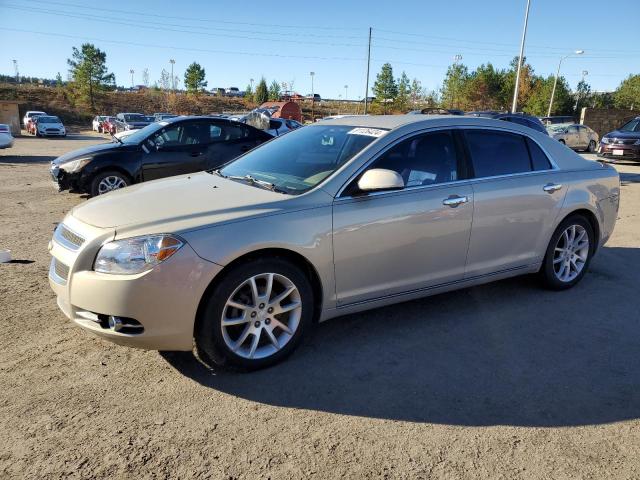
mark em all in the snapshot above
pixel 605 120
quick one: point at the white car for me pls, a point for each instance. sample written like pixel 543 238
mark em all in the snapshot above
pixel 49 126
pixel 96 124
pixel 30 115
pixel 6 139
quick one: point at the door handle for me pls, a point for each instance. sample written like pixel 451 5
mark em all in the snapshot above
pixel 454 200
pixel 552 187
pixel 196 154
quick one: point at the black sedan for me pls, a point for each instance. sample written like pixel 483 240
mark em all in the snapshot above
pixel 162 149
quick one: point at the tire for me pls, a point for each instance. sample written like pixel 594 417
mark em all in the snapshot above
pixel 592 146
pixel 562 142
pixel 214 341
pixel 576 260
pixel 103 179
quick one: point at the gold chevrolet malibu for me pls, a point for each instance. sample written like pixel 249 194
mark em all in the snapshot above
pixel 338 217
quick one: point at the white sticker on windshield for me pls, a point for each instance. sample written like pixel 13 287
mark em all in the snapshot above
pixel 370 132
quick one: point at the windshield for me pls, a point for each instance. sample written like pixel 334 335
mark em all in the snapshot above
pixel 303 158
pixel 139 135
pixel 632 126
pixel 43 119
pixel 135 117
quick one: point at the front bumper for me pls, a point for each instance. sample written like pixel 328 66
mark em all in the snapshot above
pixel 163 301
pixel 615 151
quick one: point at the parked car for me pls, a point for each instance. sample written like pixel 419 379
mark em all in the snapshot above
pixel 48 126
pixel 437 111
pixel 623 142
pixel 163 116
pixel 6 139
pixel 575 136
pixel 315 97
pixel 162 149
pixel 280 126
pixel 334 218
pixel 557 119
pixel 519 118
pixel 96 123
pixel 30 115
pixel 131 121
pixel 233 92
pixel 220 92
pixel 109 125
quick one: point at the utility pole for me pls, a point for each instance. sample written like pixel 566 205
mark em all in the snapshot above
pixel 584 74
pixel 313 96
pixel 366 92
pixel 346 90
pixel 456 59
pixel 514 105
pixel 132 72
pixel 15 69
pixel 173 80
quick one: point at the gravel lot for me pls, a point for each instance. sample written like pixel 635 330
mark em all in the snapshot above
pixel 502 381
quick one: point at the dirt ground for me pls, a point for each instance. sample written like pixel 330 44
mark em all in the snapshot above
pixel 503 381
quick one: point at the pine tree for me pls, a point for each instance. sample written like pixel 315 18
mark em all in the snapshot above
pixel 89 71
pixel 262 93
pixel 194 78
pixel 402 99
pixel 385 88
pixel 274 91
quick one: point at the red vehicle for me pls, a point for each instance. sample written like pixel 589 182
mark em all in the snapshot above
pixel 109 125
pixel 31 126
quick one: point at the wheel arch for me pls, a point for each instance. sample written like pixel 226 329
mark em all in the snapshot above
pixel 294 257
pixel 107 168
pixel 591 218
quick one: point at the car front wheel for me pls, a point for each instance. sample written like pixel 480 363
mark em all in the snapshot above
pixel 256 315
pixel 106 182
pixel 569 253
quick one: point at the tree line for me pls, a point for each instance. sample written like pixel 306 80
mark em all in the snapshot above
pixel 491 88
pixel 484 88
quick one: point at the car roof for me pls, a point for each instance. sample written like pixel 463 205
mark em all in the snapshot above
pixel 392 122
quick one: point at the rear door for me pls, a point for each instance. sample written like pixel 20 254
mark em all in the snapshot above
pixel 228 141
pixel 176 149
pixel 517 197
pixel 573 137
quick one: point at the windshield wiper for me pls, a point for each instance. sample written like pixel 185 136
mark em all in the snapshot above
pixel 254 181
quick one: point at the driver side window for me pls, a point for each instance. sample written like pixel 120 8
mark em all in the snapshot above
pixel 425 159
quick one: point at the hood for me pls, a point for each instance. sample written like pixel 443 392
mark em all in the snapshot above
pixel 621 134
pixel 91 151
pixel 179 203
pixel 138 124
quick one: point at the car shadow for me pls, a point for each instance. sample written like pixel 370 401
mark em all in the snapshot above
pixel 507 353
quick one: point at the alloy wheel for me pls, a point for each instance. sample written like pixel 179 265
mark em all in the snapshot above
pixel 112 182
pixel 571 253
pixel 261 316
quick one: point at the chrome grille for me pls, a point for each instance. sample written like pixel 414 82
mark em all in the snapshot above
pixel 59 272
pixel 67 238
pixel 620 141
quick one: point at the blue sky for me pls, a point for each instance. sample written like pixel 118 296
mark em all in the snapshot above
pixel 236 41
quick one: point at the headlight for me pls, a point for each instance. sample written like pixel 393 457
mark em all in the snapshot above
pixel 604 140
pixel 135 255
pixel 74 165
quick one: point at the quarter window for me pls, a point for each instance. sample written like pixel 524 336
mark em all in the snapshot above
pixel 423 160
pixel 539 160
pixel 497 153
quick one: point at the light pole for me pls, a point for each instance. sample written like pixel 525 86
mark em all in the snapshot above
pixel 346 90
pixel 313 96
pixel 251 83
pixel 173 81
pixel 555 82
pixel 132 72
pixel 514 105
pixel 456 59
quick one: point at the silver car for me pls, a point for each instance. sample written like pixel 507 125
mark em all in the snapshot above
pixel 338 217
pixel 574 136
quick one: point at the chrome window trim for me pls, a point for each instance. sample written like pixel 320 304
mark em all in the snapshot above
pixel 554 165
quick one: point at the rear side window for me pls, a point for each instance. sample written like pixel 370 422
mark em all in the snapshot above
pixel 538 158
pixel 497 153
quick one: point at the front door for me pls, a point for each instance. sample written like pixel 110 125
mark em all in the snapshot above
pixel 390 242
pixel 176 149
pixel 517 197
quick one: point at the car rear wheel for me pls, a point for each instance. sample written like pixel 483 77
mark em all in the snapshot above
pixel 592 146
pixel 569 253
pixel 106 182
pixel 256 315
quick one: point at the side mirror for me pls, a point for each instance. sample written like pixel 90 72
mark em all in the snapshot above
pixel 380 179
